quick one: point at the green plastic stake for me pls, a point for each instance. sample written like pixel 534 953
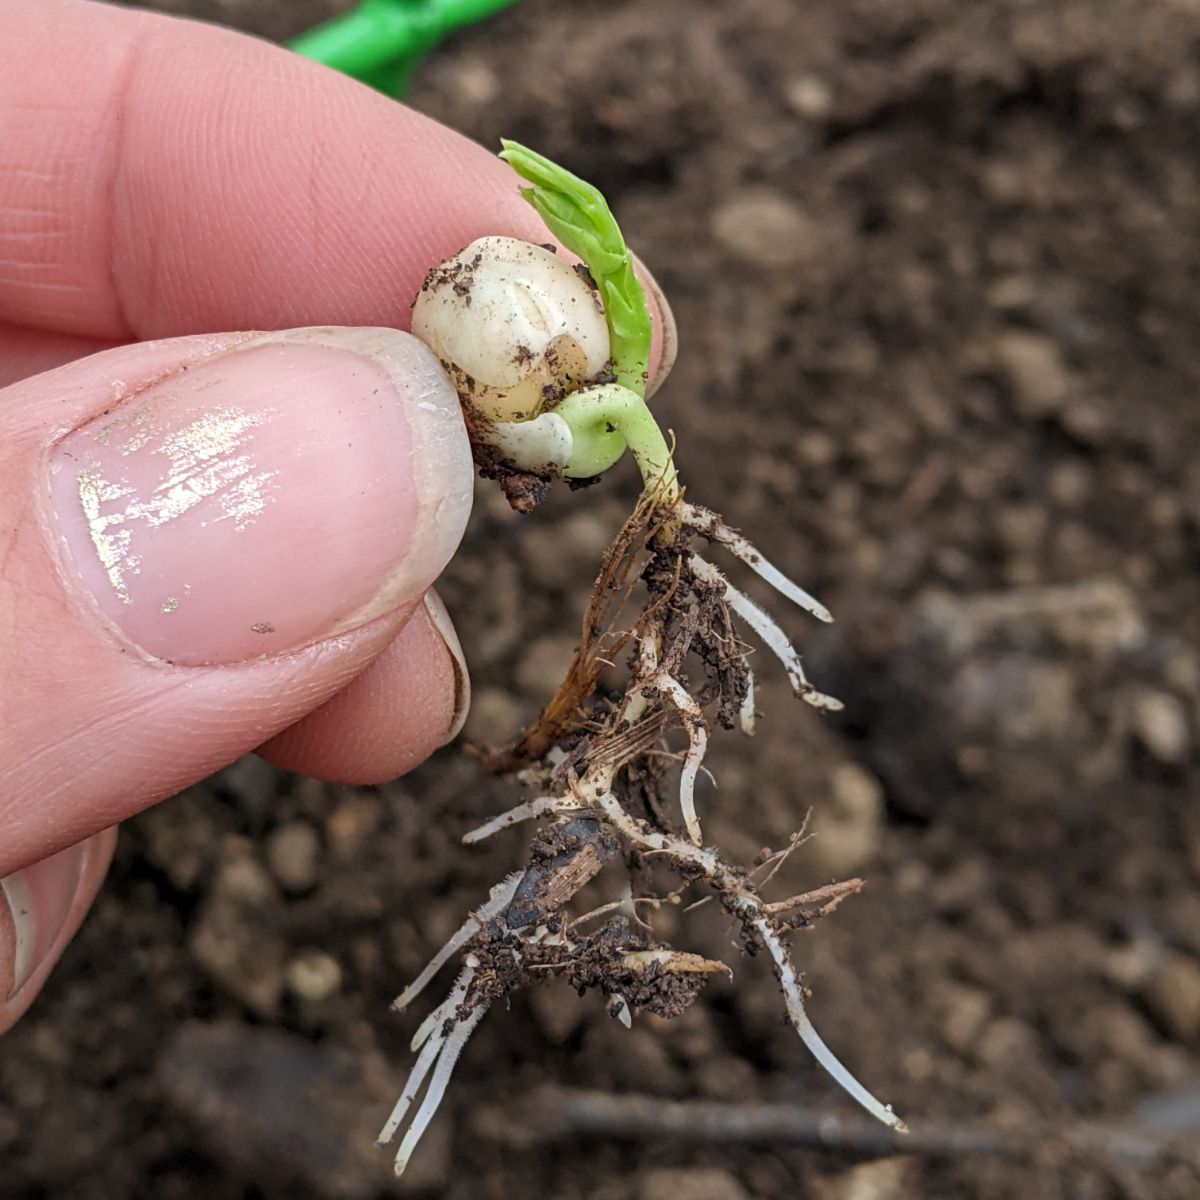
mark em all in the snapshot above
pixel 381 42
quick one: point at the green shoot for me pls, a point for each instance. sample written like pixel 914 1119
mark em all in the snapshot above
pixel 579 216
pixel 603 420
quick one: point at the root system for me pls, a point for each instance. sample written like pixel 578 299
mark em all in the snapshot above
pixel 601 763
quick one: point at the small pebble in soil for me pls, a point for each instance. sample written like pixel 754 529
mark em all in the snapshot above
pixel 885 1179
pixel 1034 370
pixel 764 228
pixel 809 96
pixel 293 851
pixel 231 936
pixel 314 976
pixel 352 823
pixel 1161 725
pixel 849 827
pixel 1172 997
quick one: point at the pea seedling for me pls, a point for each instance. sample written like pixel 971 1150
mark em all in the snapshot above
pixel 550 363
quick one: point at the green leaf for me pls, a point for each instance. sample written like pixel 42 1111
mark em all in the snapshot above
pixel 579 216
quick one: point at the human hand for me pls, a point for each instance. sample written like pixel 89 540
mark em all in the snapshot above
pixel 221 541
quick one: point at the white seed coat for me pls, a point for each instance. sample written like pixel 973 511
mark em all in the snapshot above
pixel 513 324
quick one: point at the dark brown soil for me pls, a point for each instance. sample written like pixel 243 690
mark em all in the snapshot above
pixel 936 268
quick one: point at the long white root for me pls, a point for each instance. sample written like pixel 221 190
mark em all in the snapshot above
pixel 452 1047
pixel 771 635
pixel 435 1039
pixel 706 522
pixel 794 998
pixel 693 720
pixel 499 898
pixel 529 811
pixel 750 907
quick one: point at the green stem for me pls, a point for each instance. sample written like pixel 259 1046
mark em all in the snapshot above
pixel 605 421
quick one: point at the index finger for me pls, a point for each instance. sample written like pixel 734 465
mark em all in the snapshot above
pixel 160 177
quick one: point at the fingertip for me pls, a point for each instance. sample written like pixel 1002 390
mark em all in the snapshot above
pixel 41 909
pixel 664 341
pixel 117 711
pixel 444 627
pixel 301 198
pixel 392 717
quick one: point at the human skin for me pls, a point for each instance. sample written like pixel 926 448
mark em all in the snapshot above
pixel 161 184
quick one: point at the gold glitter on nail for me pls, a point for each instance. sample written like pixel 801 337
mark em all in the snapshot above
pixel 169 605
pixel 213 435
pixel 206 459
pixel 141 426
pixel 205 462
pixel 136 441
pixel 262 627
pixel 111 548
pixel 246 499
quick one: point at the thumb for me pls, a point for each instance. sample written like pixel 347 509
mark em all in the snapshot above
pixel 202 540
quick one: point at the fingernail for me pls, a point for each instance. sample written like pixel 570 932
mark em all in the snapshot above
pixel 34 906
pixel 291 489
pixel 666 336
pixel 439 618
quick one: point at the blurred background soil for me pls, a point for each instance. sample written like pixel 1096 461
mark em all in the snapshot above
pixel 935 267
